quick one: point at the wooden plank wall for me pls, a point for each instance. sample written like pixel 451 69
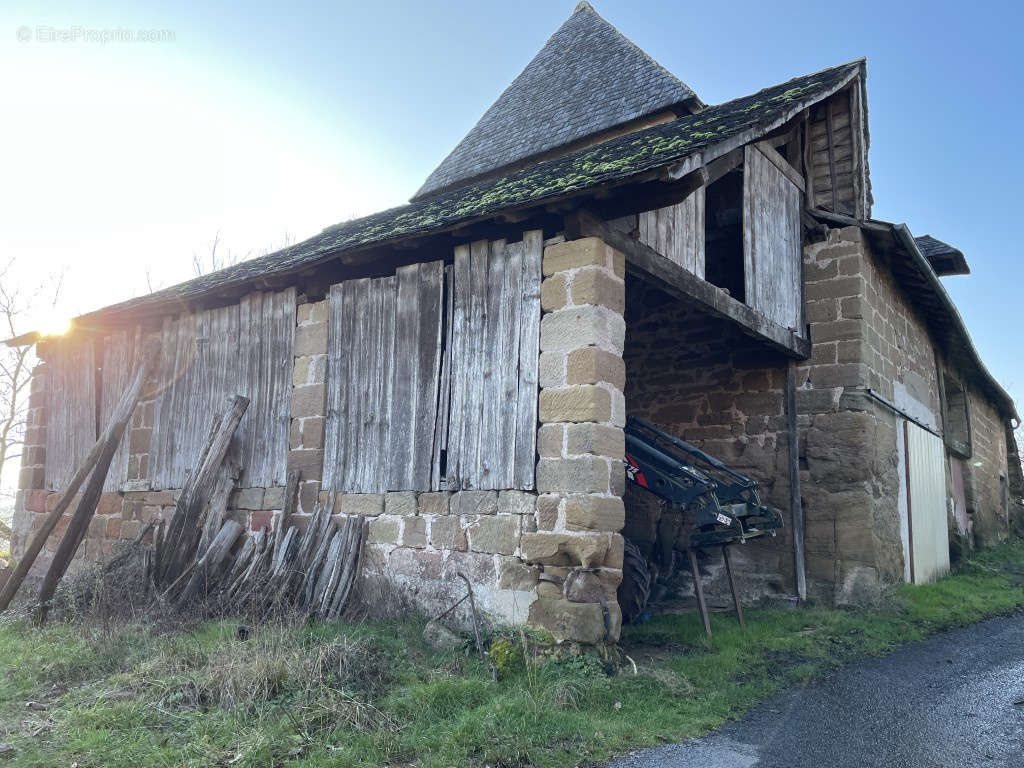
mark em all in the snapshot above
pixel 676 232
pixel 771 241
pixel 432 374
pixel 119 360
pixel 209 356
pixel 494 358
pixel 71 407
pixel 832 166
pixel 383 375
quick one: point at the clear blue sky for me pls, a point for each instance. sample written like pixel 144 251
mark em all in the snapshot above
pixel 266 118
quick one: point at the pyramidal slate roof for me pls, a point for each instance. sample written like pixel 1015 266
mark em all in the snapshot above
pixel 587 78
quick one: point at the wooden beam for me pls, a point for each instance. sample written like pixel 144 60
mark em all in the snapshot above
pixel 782 164
pixel 795 501
pixel 671 278
pixel 717 168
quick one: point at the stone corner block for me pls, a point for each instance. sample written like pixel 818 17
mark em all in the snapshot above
pixel 586 402
pixel 575 327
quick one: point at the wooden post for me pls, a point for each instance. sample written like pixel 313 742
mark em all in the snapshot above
pixel 90 496
pixel 795 502
pixel 732 586
pixel 698 590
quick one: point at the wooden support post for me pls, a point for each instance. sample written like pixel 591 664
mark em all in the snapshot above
pixel 795 502
pixel 732 586
pixel 698 590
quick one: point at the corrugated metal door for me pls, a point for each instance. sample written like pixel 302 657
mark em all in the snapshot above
pixel 926 502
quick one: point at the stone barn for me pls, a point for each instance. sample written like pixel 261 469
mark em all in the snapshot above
pixel 459 371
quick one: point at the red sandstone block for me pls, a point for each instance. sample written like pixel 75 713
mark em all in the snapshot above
pixel 113 528
pixel 109 504
pixel 36 501
pixel 261 519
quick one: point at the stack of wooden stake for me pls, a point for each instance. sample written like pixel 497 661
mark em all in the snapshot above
pixel 281 570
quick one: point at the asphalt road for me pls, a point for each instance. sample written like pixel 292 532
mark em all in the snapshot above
pixel 947 702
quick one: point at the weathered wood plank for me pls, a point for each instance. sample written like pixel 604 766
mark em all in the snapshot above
pixel 488 468
pixel 119 351
pixel 444 395
pixel 337 375
pixel 401 456
pixel 71 407
pixel 430 287
pixel 506 390
pixel 529 356
pixel 771 241
pixel 460 357
pixel 383 399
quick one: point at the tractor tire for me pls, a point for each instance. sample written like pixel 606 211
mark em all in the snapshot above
pixel 635 587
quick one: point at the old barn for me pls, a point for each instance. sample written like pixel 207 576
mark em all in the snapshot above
pixel 457 373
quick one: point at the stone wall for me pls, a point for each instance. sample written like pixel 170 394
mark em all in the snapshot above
pixel 986 472
pixel 699 378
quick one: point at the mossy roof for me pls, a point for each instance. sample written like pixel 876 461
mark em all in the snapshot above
pixel 613 162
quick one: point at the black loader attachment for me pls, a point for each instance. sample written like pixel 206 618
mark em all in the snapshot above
pixel 724 506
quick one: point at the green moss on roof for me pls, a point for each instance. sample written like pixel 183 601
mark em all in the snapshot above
pixel 614 161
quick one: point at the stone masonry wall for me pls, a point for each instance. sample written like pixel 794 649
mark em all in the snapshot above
pixel 699 378
pixel 580 474
pixel 984 470
pixel 850 475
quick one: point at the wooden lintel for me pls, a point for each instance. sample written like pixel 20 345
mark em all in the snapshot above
pixel 717 168
pixel 782 164
pixel 651 266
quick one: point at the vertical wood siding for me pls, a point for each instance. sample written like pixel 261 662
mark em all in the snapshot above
pixel 771 241
pixel 119 360
pixel 495 350
pixel 70 406
pixel 834 162
pixel 242 349
pixel 676 232
pixel 383 370
pixel 432 373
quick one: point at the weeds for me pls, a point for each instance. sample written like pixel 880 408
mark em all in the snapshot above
pixel 370 693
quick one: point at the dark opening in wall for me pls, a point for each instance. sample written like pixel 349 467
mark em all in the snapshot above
pixel 723 234
pixel 956 419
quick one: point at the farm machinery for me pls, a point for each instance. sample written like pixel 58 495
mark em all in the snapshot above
pixel 720 505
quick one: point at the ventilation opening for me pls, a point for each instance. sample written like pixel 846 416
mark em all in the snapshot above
pixel 723 234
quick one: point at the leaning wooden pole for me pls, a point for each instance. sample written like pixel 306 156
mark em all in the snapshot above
pixel 183 531
pixel 90 496
pixel 118 421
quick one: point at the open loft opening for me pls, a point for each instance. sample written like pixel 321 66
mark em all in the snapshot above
pixel 723 234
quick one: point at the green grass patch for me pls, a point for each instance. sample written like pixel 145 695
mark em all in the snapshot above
pixel 371 694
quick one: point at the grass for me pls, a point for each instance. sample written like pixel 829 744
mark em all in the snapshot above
pixel 373 695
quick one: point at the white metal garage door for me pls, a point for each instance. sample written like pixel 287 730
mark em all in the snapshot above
pixel 926 505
